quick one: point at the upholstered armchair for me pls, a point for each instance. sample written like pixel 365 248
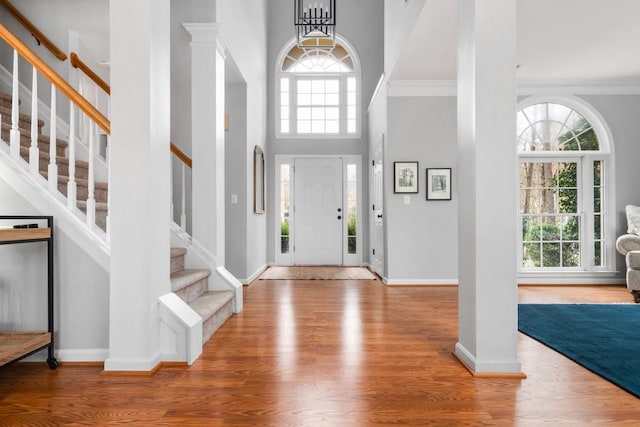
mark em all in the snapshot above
pixel 629 246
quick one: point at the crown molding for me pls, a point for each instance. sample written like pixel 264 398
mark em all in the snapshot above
pixel 409 88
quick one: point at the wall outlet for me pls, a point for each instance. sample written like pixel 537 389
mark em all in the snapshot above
pixel 407 200
pixel 234 199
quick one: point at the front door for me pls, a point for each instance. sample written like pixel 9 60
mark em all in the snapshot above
pixel 318 211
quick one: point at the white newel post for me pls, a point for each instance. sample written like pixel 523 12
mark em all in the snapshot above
pixel 139 181
pixel 207 106
pixel 487 183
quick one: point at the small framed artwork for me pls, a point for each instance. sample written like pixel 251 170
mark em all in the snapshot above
pixel 439 184
pixel 405 176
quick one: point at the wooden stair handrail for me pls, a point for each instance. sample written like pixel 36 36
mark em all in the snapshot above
pixel 56 80
pixel 37 34
pixel 76 62
pixel 180 154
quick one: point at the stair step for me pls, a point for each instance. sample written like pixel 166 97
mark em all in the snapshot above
pixel 183 278
pixel 82 167
pixel 214 307
pixel 102 210
pixel 100 189
pixel 25 138
pixel 177 259
pixel 24 120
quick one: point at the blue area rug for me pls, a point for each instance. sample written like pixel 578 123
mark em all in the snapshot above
pixel 604 338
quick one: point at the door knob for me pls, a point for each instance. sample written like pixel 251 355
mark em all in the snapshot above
pixel 339 217
pixel 380 216
pixel 339 209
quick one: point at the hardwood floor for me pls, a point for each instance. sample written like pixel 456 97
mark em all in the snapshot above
pixel 331 353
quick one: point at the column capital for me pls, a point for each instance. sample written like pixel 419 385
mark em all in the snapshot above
pixel 206 34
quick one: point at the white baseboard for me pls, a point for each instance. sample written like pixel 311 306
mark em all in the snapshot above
pixel 72 355
pixel 255 275
pixel 419 282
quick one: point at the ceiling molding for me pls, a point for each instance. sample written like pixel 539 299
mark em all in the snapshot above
pixel 410 88
pixel 422 88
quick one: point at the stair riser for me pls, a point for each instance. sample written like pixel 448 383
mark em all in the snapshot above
pixel 210 325
pixel 23 122
pixel 82 171
pixel 189 293
pixel 177 263
pixel 82 192
pixel 101 218
pixel 43 142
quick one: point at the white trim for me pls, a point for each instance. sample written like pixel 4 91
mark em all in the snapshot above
pixel 413 88
pixel 606 154
pixel 471 362
pixel 525 87
pixel 376 91
pixel 72 355
pixel 570 278
pixel 255 275
pixel 419 282
pixel 343 106
pixel 124 365
pixel 578 87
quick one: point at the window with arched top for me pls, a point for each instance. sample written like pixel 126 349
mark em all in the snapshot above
pixel 318 90
pixel 565 189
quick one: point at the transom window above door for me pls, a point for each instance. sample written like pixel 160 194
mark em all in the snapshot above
pixel 317 91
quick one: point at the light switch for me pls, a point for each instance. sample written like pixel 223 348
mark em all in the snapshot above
pixel 234 199
pixel 407 200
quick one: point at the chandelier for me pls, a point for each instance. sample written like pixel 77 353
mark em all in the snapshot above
pixel 315 23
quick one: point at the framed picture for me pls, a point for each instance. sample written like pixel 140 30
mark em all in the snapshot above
pixel 439 184
pixel 405 176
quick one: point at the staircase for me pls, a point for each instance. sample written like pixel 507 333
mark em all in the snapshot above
pixel 191 285
pixel 215 307
pixel 82 167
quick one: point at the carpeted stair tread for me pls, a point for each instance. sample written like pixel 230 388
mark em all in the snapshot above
pixel 176 252
pixel 177 259
pixel 80 182
pixel 183 278
pixel 7 98
pixel 25 136
pixel 210 302
pixel 44 155
pixel 100 206
pixel 5 111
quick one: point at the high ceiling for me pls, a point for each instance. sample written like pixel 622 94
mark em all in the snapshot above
pixel 557 40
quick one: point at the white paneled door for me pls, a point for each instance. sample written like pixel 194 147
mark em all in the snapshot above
pixel 318 211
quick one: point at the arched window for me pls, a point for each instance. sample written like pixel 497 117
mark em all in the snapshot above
pixel 565 188
pixel 317 90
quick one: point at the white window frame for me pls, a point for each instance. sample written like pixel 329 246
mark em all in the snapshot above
pixel 295 76
pixel 587 272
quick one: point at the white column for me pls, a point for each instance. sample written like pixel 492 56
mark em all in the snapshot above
pixel 139 181
pixel 207 110
pixel 487 185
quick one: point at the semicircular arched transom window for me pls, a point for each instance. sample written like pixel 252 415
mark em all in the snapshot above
pixel 563 191
pixel 554 127
pixel 319 91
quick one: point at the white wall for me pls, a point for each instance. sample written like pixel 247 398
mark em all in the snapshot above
pixel 422 236
pixel 244 28
pixel 81 289
pixel 364 33
pixel 235 171
pixel 399 18
pixel 620 112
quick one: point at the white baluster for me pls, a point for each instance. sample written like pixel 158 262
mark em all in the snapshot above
pixel 91 201
pixel 14 135
pixel 183 213
pixel 34 153
pixel 53 167
pixel 71 185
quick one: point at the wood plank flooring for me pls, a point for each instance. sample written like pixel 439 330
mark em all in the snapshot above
pixel 334 353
